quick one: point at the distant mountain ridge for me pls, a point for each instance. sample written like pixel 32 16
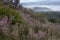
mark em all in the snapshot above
pixel 41 9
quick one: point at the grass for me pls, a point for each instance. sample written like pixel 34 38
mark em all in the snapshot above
pixel 7 11
pixel 24 29
pixel 10 12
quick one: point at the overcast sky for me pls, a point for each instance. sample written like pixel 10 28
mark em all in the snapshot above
pixel 37 0
pixel 52 4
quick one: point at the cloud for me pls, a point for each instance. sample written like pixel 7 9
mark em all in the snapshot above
pixel 54 0
pixel 30 0
pixel 54 4
pixel 42 3
pixel 36 0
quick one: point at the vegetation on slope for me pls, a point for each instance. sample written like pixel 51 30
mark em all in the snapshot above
pixel 19 28
pixel 13 20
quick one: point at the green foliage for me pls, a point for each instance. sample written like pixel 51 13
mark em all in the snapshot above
pixel 24 32
pixel 53 20
pixel 16 20
pixel 1 35
pixel 44 29
pixel 4 10
pixel 44 38
pixel 7 11
pixel 36 29
pixel 5 37
pixel 10 37
pixel 39 16
pixel 10 12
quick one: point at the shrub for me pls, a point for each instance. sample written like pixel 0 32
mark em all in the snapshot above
pixel 10 12
pixel 23 32
pixel 53 20
pixel 36 29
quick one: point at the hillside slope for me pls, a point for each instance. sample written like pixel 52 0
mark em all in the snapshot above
pixel 24 24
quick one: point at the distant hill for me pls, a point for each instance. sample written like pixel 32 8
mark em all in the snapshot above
pixel 41 9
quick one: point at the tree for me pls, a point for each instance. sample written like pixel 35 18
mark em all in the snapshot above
pixel 11 2
pixel 16 2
